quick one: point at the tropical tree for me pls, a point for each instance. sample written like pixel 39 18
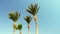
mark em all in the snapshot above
pixel 19 27
pixel 14 16
pixel 28 20
pixel 33 9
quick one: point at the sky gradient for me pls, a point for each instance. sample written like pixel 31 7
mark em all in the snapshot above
pixel 48 16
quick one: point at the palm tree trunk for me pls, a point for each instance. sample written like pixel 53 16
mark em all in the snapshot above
pixel 14 28
pixel 28 28
pixel 36 21
pixel 20 32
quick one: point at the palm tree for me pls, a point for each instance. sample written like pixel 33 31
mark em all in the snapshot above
pixel 14 16
pixel 19 27
pixel 33 9
pixel 28 20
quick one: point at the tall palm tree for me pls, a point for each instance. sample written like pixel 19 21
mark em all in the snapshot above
pixel 14 16
pixel 28 20
pixel 19 27
pixel 33 9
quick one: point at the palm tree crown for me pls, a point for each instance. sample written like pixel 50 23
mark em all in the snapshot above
pixel 19 27
pixel 14 16
pixel 28 19
pixel 33 9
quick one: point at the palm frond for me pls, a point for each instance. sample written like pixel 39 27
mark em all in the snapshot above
pixel 31 6
pixel 11 15
pixel 28 19
pixel 29 11
pixel 37 9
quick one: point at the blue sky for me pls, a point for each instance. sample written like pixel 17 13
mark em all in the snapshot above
pixel 48 16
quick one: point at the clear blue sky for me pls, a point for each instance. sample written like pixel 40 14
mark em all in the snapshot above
pixel 48 16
